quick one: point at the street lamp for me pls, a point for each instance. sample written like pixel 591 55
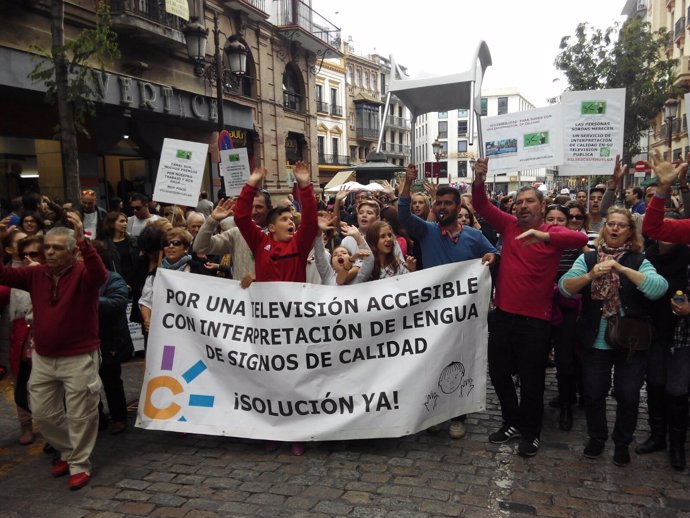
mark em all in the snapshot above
pixel 670 113
pixel 436 147
pixel 196 36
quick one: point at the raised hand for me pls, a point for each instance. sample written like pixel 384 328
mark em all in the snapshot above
pixel 257 177
pixel 341 194
pixel 348 230
pixel 619 171
pixel 411 263
pixel 301 173
pixel 327 221
pixel 666 172
pixel 411 173
pixel 75 223
pixel 481 167
pixel 223 209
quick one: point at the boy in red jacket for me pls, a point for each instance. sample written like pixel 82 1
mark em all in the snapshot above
pixel 280 255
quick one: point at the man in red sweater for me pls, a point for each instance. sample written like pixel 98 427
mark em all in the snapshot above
pixel 280 255
pixel 519 329
pixel 64 387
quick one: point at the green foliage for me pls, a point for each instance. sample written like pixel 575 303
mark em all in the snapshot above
pixel 85 57
pixel 628 56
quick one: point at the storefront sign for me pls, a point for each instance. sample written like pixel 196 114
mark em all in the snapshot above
pixel 180 172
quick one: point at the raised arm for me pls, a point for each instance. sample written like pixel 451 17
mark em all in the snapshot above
pixel 206 241
pixel 309 226
pixel 243 208
pixel 413 223
pixel 492 214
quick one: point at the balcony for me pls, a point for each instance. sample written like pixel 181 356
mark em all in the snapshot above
pixel 679 31
pixel 146 20
pixel 336 110
pixel 395 149
pixel 326 159
pixel 292 102
pixel 254 9
pixel 669 44
pixel 321 107
pixel 367 133
pixel 394 121
pixel 297 21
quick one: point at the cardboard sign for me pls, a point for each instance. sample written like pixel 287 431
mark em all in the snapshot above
pixel 234 167
pixel 180 172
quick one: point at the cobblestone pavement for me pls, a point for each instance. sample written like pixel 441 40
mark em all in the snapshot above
pixel 151 473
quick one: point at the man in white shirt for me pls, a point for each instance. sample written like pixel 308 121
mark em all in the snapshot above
pixel 142 217
pixel 92 216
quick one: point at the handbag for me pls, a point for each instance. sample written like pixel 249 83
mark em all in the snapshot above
pixel 629 333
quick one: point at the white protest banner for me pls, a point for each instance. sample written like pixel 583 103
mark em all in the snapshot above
pixel 180 172
pixel 178 8
pixel 524 140
pixel 234 165
pixel 293 362
pixel 593 123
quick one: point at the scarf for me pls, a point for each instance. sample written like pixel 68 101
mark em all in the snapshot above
pixel 607 287
pixel 446 233
pixel 179 265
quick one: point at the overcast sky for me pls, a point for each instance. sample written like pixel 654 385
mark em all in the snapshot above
pixel 440 36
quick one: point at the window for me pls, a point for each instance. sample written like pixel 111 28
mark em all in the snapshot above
pixel 319 93
pixel 444 148
pixel 462 127
pixel 335 148
pixel 367 85
pixel 292 89
pixel 442 129
pixel 383 84
pixel 462 146
pixel 462 113
pixel 442 115
pixel 484 106
pixel 322 148
pixel 353 153
pixel 462 169
pixel 502 105
pixel 374 85
pixel 349 74
pixel 358 77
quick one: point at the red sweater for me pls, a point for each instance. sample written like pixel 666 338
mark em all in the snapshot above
pixel 525 273
pixel 670 230
pixel 276 260
pixel 70 326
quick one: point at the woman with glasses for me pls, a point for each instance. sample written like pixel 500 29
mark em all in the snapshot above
pixel 614 280
pixel 31 223
pixel 176 256
pixel 564 323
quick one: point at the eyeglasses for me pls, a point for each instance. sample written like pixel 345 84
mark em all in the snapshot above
pixel 614 224
pixel 174 242
pixel 578 217
pixel 32 255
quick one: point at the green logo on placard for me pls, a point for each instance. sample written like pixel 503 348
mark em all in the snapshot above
pixel 536 139
pixel 605 152
pixel 186 155
pixel 593 107
pixel 233 158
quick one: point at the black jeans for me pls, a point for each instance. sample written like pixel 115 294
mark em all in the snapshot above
pixel 567 361
pixel 519 344
pixel 111 376
pixel 628 376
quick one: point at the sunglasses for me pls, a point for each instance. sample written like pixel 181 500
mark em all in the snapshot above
pixel 174 242
pixel 88 192
pixel 32 255
pixel 557 206
pixel 578 217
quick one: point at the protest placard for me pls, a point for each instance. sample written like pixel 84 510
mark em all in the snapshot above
pixel 524 140
pixel 593 123
pixel 300 362
pixel 180 172
pixel 234 165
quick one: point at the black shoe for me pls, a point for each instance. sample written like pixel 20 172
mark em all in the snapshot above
pixel 677 457
pixel 621 456
pixel 565 420
pixel 555 402
pixel 594 448
pixel 505 434
pixel 528 446
pixel 651 445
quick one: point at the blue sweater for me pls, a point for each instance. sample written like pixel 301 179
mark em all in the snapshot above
pixel 438 249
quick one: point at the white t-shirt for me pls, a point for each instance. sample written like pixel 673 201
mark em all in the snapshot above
pixel 136 225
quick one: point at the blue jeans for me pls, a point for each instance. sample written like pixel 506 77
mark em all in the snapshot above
pixel 628 376
pixel 519 344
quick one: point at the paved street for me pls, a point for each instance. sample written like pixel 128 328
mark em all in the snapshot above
pixel 151 473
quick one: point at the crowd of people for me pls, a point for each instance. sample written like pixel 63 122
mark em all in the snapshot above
pixel 599 283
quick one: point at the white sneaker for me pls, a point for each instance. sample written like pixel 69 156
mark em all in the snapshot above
pixel 456 430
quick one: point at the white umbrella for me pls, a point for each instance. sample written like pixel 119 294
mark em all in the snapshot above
pixel 347 186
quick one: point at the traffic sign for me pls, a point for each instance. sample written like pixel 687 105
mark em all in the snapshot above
pixel 642 166
pixel 224 141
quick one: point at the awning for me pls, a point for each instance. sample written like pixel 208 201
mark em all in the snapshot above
pixel 339 179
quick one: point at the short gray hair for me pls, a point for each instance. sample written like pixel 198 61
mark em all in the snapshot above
pixel 64 231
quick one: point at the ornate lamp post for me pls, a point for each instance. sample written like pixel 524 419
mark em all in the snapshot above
pixel 436 146
pixel 222 77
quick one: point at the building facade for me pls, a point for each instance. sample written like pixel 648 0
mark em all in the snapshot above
pixel 152 92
